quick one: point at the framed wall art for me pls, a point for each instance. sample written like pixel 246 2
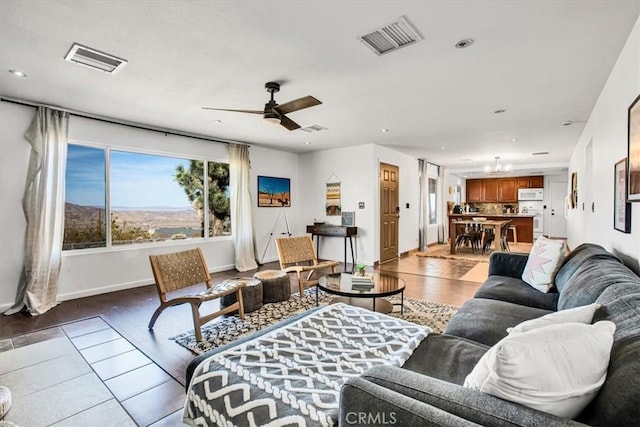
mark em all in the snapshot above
pixel 274 192
pixel 621 207
pixel 633 193
pixel 574 190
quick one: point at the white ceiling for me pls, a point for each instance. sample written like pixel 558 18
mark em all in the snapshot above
pixel 545 62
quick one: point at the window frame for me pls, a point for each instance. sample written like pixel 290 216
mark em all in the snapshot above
pixel 109 247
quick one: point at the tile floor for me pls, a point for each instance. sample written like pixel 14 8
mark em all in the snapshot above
pixel 86 374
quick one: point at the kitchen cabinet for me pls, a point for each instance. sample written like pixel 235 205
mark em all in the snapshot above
pixel 490 190
pixel 508 191
pixel 474 190
pixel 500 189
pixel 536 181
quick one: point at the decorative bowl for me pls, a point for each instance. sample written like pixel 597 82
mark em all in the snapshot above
pixel 479 219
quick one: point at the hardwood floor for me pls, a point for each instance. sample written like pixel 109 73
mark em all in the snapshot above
pixel 129 311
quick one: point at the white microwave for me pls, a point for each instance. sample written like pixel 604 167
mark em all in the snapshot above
pixel 530 194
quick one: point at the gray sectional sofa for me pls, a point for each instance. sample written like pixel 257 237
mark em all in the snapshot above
pixel 428 390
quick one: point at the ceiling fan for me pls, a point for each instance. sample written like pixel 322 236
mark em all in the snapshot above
pixel 276 113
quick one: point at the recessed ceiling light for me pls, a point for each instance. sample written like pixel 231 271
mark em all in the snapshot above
pixel 514 139
pixel 385 130
pixel 217 121
pixel 307 143
pixel 567 123
pixel 464 43
pixel 18 73
pixel 442 148
pixel 500 111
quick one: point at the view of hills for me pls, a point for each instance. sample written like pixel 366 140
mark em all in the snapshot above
pixel 78 216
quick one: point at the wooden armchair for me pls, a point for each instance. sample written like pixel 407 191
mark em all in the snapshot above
pixel 179 270
pixel 297 255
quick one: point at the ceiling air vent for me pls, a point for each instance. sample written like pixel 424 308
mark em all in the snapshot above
pixel 313 128
pixel 388 38
pixel 540 153
pixel 88 57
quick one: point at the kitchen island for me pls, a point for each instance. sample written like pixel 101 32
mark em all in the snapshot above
pixel 522 222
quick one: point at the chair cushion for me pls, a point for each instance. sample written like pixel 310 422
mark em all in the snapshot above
pixel 445 357
pixel 556 369
pixel 545 258
pixel 486 320
pixel 516 291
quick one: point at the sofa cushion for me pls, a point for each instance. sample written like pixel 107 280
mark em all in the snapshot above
pixel 556 369
pixel 486 320
pixel 544 260
pixel 583 314
pixel 591 279
pixel 576 258
pixel 445 357
pixel 514 290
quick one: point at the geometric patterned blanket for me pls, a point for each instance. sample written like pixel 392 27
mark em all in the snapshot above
pixel 292 375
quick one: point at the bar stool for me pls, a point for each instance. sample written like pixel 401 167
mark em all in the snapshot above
pixel 515 234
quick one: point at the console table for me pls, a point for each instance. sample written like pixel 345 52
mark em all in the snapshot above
pixel 335 231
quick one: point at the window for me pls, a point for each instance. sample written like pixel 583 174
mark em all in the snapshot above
pixel 85 198
pixel 433 185
pixel 151 198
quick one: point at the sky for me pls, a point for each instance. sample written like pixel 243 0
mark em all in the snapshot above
pixel 137 180
pixel 278 185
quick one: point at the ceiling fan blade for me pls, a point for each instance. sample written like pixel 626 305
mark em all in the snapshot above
pixel 288 123
pixel 235 111
pixel 297 104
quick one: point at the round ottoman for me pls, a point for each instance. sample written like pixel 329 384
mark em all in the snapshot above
pixel 5 401
pixel 251 294
pixel 276 285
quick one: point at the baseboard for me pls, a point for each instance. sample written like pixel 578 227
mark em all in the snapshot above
pixel 409 252
pixel 67 296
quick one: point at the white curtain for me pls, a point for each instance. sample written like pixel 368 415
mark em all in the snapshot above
pixel 423 214
pixel 443 215
pixel 43 206
pixel 242 216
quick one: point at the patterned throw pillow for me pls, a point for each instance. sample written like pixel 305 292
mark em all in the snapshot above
pixel 545 259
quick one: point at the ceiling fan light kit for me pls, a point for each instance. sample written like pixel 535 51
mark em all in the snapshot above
pixel 274 113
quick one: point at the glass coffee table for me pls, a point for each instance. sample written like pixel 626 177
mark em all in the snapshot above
pixel 354 290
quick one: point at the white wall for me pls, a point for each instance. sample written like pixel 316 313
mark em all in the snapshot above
pixel 607 128
pixel 14 160
pixel 267 162
pixel 357 168
pixel 96 271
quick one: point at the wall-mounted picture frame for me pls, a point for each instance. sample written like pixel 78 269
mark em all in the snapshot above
pixel 574 190
pixel 274 192
pixel 349 219
pixel 633 153
pixel 621 207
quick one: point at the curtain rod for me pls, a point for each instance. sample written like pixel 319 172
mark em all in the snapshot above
pixel 105 119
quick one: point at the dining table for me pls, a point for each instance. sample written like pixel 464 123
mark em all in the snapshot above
pixel 491 223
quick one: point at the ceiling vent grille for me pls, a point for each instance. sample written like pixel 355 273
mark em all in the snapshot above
pixel 313 128
pixel 391 37
pixel 91 58
pixel 540 153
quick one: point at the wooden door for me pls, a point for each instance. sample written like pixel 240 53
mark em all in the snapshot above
pixel 508 190
pixel 474 190
pixel 389 212
pixel 490 190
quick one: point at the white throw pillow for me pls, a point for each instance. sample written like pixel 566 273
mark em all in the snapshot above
pixel 544 260
pixel 556 369
pixel 582 314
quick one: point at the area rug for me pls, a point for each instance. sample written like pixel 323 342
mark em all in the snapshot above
pixel 230 328
pixel 442 251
